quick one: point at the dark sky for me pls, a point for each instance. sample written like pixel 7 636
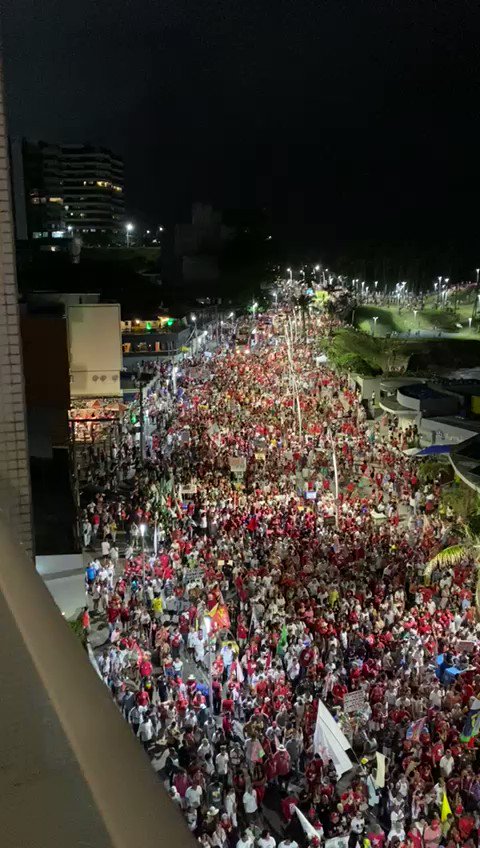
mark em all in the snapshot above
pixel 348 117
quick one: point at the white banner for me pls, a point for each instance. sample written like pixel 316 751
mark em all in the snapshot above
pixel 330 742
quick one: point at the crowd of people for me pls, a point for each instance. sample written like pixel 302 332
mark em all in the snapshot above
pixel 273 546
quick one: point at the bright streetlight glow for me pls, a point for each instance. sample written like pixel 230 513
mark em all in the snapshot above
pixel 129 227
pixel 317 267
pixel 142 529
pixel 194 318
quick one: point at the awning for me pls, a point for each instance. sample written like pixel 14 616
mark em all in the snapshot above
pixel 434 450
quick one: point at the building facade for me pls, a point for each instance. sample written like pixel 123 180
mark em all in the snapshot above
pixel 15 498
pixel 61 191
pixel 93 186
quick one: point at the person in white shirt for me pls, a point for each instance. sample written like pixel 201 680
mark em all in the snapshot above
pixel 145 731
pixel 193 796
pixel 246 839
pixel 221 763
pixel 266 840
pixel 288 843
pixel 447 764
pixel 250 804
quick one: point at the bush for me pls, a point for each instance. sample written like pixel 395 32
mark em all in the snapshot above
pixel 355 363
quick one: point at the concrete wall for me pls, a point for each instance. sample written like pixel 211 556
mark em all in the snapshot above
pixel 95 350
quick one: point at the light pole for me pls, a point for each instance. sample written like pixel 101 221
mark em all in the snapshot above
pixel 128 230
pixel 275 295
pixel 289 271
pixel 194 319
pixel 254 309
pixel 142 529
pixel 415 313
pixel 375 319
pixel 207 623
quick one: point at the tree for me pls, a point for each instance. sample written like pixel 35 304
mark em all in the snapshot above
pixel 303 302
pixel 469 549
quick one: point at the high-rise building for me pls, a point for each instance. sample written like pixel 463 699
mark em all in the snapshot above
pixel 92 179
pixel 37 189
pixel 60 190
pixel 15 502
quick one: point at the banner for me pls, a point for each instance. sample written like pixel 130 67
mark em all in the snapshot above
pixel 238 464
pixel 330 742
pixel 380 775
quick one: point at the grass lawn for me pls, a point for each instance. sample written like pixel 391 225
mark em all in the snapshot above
pixel 428 319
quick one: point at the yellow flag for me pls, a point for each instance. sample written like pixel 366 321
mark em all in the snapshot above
pixel 446 809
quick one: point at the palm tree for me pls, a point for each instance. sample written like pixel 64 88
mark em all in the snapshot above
pixel 470 549
pixel 304 301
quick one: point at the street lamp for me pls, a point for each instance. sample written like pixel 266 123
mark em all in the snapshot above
pixel 415 313
pixel 289 271
pixel 129 229
pixel 375 319
pixel 254 308
pixel 142 529
pixel 207 623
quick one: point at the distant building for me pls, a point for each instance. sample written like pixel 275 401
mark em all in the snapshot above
pixel 199 244
pixel 61 191
pixel 93 186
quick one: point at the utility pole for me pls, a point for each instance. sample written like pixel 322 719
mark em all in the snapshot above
pixel 142 425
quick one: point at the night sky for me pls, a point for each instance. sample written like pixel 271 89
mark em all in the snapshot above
pixel 344 119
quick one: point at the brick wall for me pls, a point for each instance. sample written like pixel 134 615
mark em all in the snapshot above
pixel 15 501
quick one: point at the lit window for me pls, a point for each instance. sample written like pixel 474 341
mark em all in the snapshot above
pixel 37 235
pixel 55 199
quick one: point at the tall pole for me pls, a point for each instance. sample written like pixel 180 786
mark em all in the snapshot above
pixel 208 625
pixel 335 478
pixel 142 432
pixel 142 535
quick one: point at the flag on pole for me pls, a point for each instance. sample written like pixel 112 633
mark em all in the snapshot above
pixel 307 826
pixel 446 809
pixel 220 617
pixel 415 728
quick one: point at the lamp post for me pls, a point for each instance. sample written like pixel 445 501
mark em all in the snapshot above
pixel 207 623
pixel 142 529
pixel 254 309
pixel 415 313
pixel 375 319
pixel 289 271
pixel 128 230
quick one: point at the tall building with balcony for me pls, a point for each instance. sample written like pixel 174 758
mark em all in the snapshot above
pixel 93 185
pixel 61 190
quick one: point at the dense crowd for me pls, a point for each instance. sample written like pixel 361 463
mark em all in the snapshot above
pixel 264 601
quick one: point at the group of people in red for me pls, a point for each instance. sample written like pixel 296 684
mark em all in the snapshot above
pixel 295 599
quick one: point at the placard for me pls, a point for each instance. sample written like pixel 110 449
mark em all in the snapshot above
pixel 354 702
